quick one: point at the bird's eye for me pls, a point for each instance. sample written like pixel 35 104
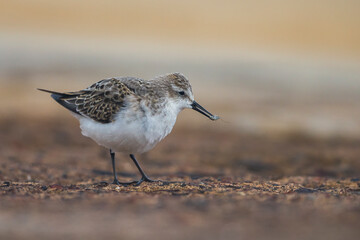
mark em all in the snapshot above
pixel 182 93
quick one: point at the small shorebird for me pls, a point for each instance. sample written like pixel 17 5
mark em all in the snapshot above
pixel 130 115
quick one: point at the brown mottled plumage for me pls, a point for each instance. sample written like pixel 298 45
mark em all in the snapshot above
pixel 100 102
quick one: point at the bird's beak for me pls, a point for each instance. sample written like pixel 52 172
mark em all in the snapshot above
pixel 197 107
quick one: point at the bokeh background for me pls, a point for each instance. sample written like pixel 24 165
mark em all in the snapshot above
pixel 284 76
pixel 262 65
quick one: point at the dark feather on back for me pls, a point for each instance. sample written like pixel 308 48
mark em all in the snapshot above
pixel 100 102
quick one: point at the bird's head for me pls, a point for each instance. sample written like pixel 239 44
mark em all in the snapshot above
pixel 180 92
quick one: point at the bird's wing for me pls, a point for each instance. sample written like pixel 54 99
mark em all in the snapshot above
pixel 100 102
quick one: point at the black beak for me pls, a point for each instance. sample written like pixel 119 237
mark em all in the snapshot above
pixel 197 107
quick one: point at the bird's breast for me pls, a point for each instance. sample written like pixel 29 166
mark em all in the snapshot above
pixel 158 125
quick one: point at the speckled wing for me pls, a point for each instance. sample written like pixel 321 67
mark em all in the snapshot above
pixel 100 102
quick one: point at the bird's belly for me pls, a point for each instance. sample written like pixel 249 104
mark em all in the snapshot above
pixel 137 136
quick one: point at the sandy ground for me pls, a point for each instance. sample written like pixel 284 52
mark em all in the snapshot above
pixel 228 185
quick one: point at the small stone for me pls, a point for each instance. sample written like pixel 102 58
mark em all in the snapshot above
pixel 73 187
pixel 56 186
pixel 102 184
pixel 6 184
pixel 305 190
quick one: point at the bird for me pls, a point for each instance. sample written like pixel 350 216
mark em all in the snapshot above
pixel 130 115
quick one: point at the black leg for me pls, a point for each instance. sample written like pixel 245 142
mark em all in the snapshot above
pixel 144 178
pixel 112 155
pixel 116 181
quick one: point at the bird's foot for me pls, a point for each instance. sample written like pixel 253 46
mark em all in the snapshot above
pixel 146 179
pixel 125 184
pixel 162 183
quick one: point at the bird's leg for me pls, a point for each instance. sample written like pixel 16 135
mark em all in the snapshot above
pixel 144 178
pixel 112 155
pixel 116 181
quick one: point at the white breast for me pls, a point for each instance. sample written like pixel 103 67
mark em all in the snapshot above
pixel 132 132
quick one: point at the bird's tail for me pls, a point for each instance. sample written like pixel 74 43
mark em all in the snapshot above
pixel 55 95
pixel 64 99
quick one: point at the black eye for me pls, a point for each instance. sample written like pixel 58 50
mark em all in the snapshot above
pixel 182 93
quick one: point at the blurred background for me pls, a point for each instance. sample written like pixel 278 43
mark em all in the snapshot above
pixel 264 66
pixel 284 76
